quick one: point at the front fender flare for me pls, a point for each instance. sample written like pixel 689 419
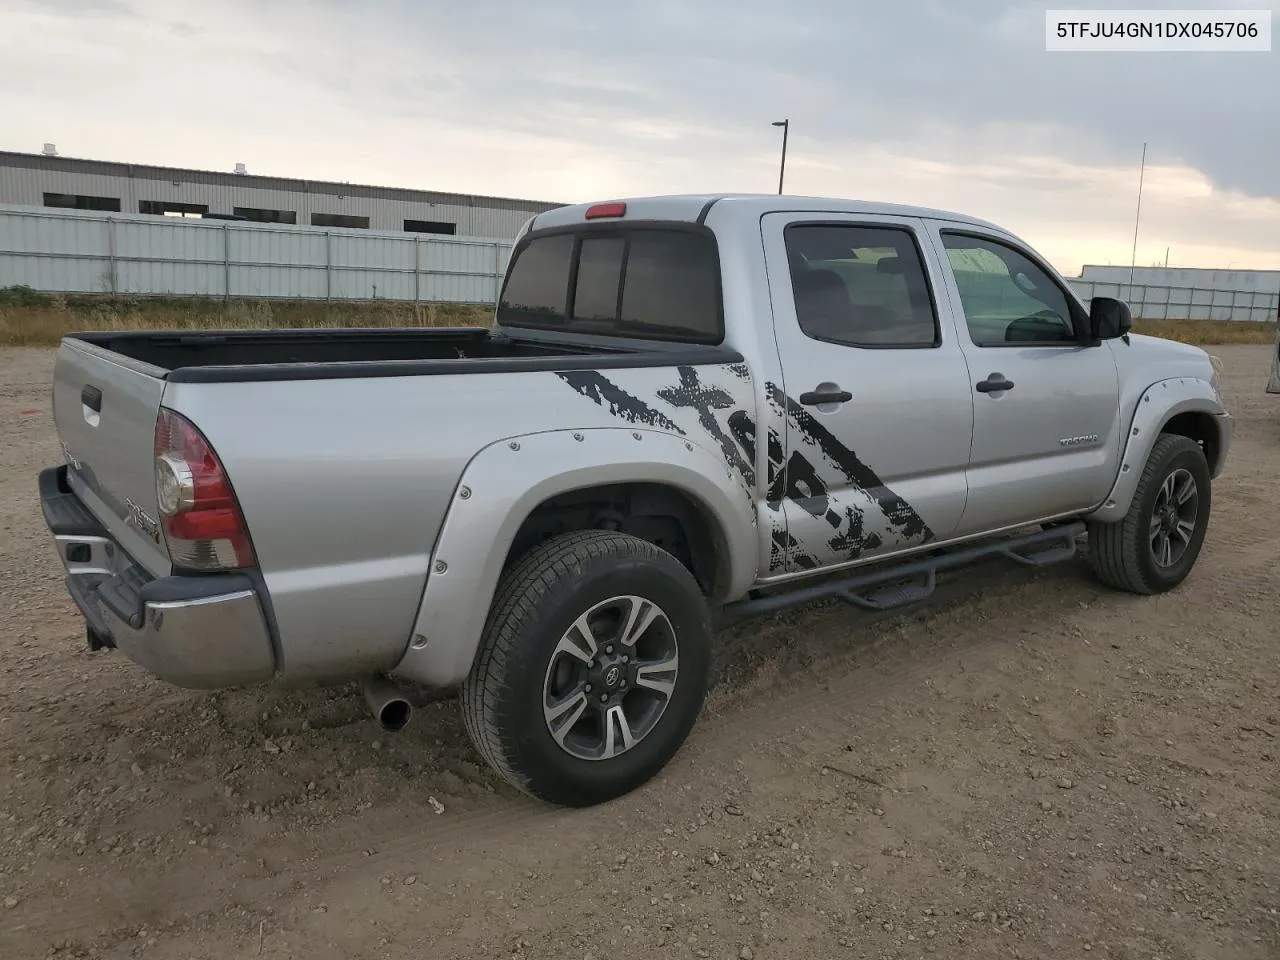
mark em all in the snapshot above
pixel 1160 403
pixel 507 480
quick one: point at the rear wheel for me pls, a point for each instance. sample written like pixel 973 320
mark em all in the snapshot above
pixel 592 669
pixel 1157 543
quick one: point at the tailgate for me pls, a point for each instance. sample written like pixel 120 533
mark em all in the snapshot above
pixel 105 408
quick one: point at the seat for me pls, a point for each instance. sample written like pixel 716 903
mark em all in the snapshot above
pixel 822 301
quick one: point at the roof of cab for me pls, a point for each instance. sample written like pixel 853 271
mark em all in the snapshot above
pixel 695 207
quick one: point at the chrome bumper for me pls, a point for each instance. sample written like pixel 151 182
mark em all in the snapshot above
pixel 200 632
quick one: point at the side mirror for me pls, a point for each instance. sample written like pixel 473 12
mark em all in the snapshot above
pixel 1109 318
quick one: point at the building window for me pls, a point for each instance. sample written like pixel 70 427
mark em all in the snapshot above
pixel 339 220
pixel 73 201
pixel 430 226
pixel 266 216
pixel 170 208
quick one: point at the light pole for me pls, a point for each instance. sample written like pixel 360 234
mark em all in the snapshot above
pixel 1136 217
pixel 782 170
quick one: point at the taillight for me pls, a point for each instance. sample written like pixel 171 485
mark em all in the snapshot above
pixel 201 519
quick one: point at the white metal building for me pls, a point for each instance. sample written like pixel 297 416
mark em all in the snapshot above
pixel 48 180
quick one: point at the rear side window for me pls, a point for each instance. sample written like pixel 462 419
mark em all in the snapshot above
pixel 646 283
pixel 860 286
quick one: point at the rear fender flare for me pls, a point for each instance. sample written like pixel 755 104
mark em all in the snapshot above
pixel 507 480
pixel 1160 403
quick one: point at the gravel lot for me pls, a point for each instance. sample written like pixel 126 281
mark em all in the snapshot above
pixel 1030 766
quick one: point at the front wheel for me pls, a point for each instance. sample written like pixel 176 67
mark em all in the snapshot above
pixel 1156 544
pixel 592 669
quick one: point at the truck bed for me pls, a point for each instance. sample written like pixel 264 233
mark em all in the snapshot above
pixel 221 356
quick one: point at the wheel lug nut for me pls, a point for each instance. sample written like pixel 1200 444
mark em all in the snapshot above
pixel 609 650
pixel 588 688
pixel 604 697
pixel 626 659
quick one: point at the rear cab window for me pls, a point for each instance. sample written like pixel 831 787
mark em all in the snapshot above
pixel 642 282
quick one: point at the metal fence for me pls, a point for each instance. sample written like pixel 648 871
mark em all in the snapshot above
pixel 1156 302
pixel 57 251
pixel 78 251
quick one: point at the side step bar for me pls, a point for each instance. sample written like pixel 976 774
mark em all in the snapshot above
pixel 885 589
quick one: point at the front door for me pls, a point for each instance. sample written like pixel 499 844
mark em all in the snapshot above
pixel 875 395
pixel 1046 421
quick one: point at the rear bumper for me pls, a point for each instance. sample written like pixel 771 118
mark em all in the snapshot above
pixel 200 632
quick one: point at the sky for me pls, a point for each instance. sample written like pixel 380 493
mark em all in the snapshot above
pixel 945 104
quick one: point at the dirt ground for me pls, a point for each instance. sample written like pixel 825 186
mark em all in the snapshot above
pixel 1028 767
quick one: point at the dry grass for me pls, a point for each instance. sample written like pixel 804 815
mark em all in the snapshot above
pixel 29 319
pixel 1207 332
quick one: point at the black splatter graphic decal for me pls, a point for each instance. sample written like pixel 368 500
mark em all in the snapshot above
pixel 900 514
pixel 774 496
pixel 783 544
pixel 795 477
pixel 743 429
pixel 852 541
pixel 596 386
pixel 691 393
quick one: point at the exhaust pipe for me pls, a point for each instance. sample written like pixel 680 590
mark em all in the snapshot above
pixel 388 703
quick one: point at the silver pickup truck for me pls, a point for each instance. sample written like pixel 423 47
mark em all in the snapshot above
pixel 687 408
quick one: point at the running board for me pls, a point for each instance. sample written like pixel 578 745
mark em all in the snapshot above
pixel 907 583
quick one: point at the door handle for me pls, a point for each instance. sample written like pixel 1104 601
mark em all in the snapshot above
pixel 91 397
pixel 994 384
pixel 816 398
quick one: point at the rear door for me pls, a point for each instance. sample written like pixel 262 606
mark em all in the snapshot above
pixel 1046 407
pixel 875 392
pixel 105 409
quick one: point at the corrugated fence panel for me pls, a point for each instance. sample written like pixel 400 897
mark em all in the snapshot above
pixel 168 256
pixel 78 251
pixel 65 254
pixel 278 282
pixel 275 246
pixel 375 251
pixel 83 275
pixel 1158 302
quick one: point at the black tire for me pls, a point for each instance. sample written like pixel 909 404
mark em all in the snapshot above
pixel 1122 554
pixel 537 602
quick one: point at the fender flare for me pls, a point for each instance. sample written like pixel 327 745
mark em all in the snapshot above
pixel 506 480
pixel 1159 403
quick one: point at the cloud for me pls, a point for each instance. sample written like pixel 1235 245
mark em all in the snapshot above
pixel 955 105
